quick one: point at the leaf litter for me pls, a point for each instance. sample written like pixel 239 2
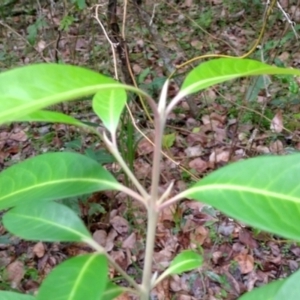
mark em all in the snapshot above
pixel 237 258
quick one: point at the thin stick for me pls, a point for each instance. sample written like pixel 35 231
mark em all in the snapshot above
pixel 112 44
pixel 21 37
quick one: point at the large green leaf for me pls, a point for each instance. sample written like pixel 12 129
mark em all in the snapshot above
pixel 290 289
pixel 52 117
pixel 278 290
pixel 14 296
pixel 51 222
pixel 52 176
pixel 79 278
pixel 263 192
pixel 266 292
pixel 108 106
pixel 28 89
pixel 112 291
pixel 223 69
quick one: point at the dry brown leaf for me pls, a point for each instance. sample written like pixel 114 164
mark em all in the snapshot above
pixel 218 118
pixel 41 45
pixel 277 122
pixel 137 69
pixel 126 297
pixel 5 259
pixel 246 238
pixel 219 155
pixel 14 273
pixel 161 291
pixel 198 164
pixel 110 240
pixel 163 258
pixel 120 224
pixel 144 146
pixel 251 279
pixel 245 262
pixel 198 236
pixel 197 44
pixel 167 214
pixel 262 149
pixel 193 151
pixel 130 242
pixel 175 283
pixel 196 138
pixel 142 169
pixel 188 3
pixel 39 249
pixel 121 259
pixel 217 256
pixel 277 147
pixel 100 236
pixel 235 287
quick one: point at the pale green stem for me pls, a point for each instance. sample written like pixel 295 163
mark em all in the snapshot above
pixel 147 272
pixel 101 250
pixel 115 152
pixel 174 199
pixel 152 208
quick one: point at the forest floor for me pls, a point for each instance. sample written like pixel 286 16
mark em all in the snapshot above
pixel 237 120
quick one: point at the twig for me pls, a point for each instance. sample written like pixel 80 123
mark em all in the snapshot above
pixel 112 44
pixel 153 14
pixel 287 17
pixel 21 37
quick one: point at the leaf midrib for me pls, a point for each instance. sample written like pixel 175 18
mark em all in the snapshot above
pixel 53 182
pixel 241 188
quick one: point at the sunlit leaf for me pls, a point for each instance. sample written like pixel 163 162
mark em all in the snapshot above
pixel 266 292
pixel 112 291
pixel 81 277
pixel 52 176
pixel 49 222
pixel 28 89
pixel 219 70
pixel 288 288
pixel 50 116
pixel 263 192
pixel 108 105
pixel 5 295
pixel 183 262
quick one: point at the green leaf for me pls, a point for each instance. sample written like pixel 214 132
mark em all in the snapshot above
pixel 168 140
pixel 80 3
pixel 278 290
pixel 185 261
pixel 108 105
pixel 15 296
pixel 81 277
pixel 257 85
pixel 52 176
pixel 112 291
pixel 51 222
pixel 50 116
pixel 290 289
pixel 266 292
pixel 28 89
pixel 263 192
pixel 224 69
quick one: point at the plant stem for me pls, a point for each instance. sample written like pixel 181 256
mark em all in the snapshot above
pixel 101 250
pixel 113 148
pixel 147 272
pixel 152 205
